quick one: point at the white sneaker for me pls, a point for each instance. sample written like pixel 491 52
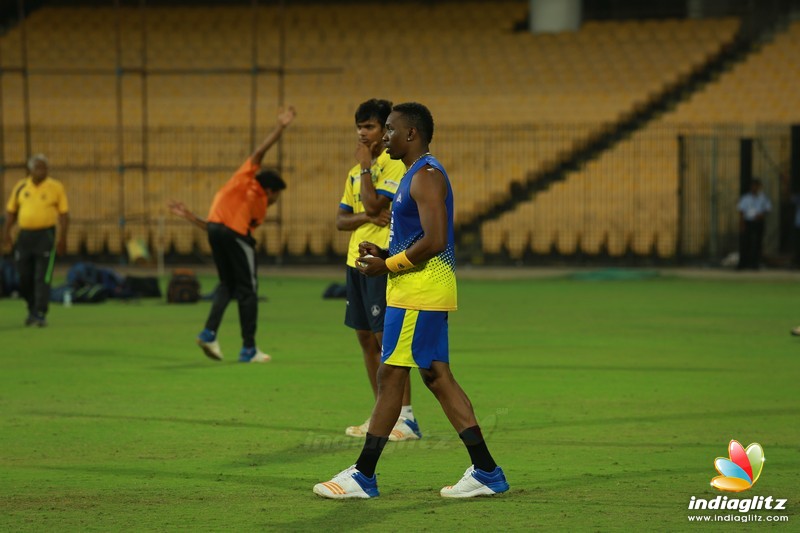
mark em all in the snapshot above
pixel 357 431
pixel 477 483
pixel 348 483
pixel 405 429
pixel 211 349
pixel 257 357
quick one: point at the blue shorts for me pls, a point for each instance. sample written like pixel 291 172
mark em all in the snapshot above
pixel 414 338
pixel 366 301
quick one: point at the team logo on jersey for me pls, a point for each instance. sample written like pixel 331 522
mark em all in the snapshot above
pixel 399 197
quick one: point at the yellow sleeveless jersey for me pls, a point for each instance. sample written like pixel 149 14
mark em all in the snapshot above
pixel 429 286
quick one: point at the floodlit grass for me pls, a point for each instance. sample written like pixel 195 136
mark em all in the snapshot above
pixel 605 402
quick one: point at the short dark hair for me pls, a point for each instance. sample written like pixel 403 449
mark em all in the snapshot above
pixel 417 116
pixel 374 108
pixel 269 179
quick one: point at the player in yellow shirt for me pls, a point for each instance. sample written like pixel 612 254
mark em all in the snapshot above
pixel 37 204
pixel 364 211
pixel 421 264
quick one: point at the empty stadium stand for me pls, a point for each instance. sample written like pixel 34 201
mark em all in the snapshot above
pixel 185 86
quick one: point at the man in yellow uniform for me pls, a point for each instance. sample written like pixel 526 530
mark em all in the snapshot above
pixel 420 263
pixel 37 204
pixel 364 211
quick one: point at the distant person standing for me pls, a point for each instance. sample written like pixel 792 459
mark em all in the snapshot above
pixel 239 207
pixel 753 208
pixel 37 205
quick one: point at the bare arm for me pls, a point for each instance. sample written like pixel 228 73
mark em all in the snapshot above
pixel 11 219
pixel 285 117
pixel 63 227
pixel 180 209
pixel 347 221
pixel 373 202
pixel 429 191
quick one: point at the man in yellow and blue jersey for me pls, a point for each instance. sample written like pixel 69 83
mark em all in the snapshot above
pixel 420 263
pixel 364 211
pixel 37 205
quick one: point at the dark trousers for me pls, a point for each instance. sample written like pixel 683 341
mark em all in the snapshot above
pixel 35 255
pixel 752 239
pixel 235 258
pixel 796 246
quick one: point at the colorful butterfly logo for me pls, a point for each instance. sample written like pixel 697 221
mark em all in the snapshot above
pixel 742 470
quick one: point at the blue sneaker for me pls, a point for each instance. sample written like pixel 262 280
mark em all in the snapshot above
pixel 207 341
pixel 405 429
pixel 253 355
pixel 477 483
pixel 348 483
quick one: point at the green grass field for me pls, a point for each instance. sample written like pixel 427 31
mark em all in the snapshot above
pixel 605 402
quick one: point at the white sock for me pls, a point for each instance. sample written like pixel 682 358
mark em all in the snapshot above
pixel 407 412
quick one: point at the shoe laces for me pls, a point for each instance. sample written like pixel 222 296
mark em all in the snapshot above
pixel 467 475
pixel 345 474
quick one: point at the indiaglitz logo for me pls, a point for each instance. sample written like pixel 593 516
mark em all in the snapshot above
pixel 741 470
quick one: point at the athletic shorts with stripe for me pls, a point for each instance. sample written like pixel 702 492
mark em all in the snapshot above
pixel 414 338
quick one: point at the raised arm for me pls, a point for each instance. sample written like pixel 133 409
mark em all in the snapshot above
pixel 285 117
pixel 180 209
pixel 373 202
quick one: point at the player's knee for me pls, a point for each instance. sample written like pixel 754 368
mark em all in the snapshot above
pixel 431 378
pixel 368 342
pixel 438 377
pixel 391 376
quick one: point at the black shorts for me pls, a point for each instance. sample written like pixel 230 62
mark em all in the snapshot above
pixel 366 301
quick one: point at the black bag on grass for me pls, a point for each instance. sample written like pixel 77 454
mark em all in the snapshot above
pixel 183 287
pixel 141 287
pixel 90 294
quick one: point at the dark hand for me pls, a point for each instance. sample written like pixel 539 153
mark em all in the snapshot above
pixel 371 266
pixel 179 209
pixel 364 154
pixel 286 116
pixel 61 247
pixel 368 248
pixel 382 219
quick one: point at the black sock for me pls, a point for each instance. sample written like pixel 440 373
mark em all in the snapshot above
pixel 478 452
pixel 368 460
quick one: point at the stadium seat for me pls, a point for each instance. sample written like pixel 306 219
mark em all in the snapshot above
pixel 521 102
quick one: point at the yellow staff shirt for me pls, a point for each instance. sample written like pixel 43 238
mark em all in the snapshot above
pixel 386 176
pixel 37 206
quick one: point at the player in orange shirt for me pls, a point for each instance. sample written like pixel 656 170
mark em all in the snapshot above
pixel 239 207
